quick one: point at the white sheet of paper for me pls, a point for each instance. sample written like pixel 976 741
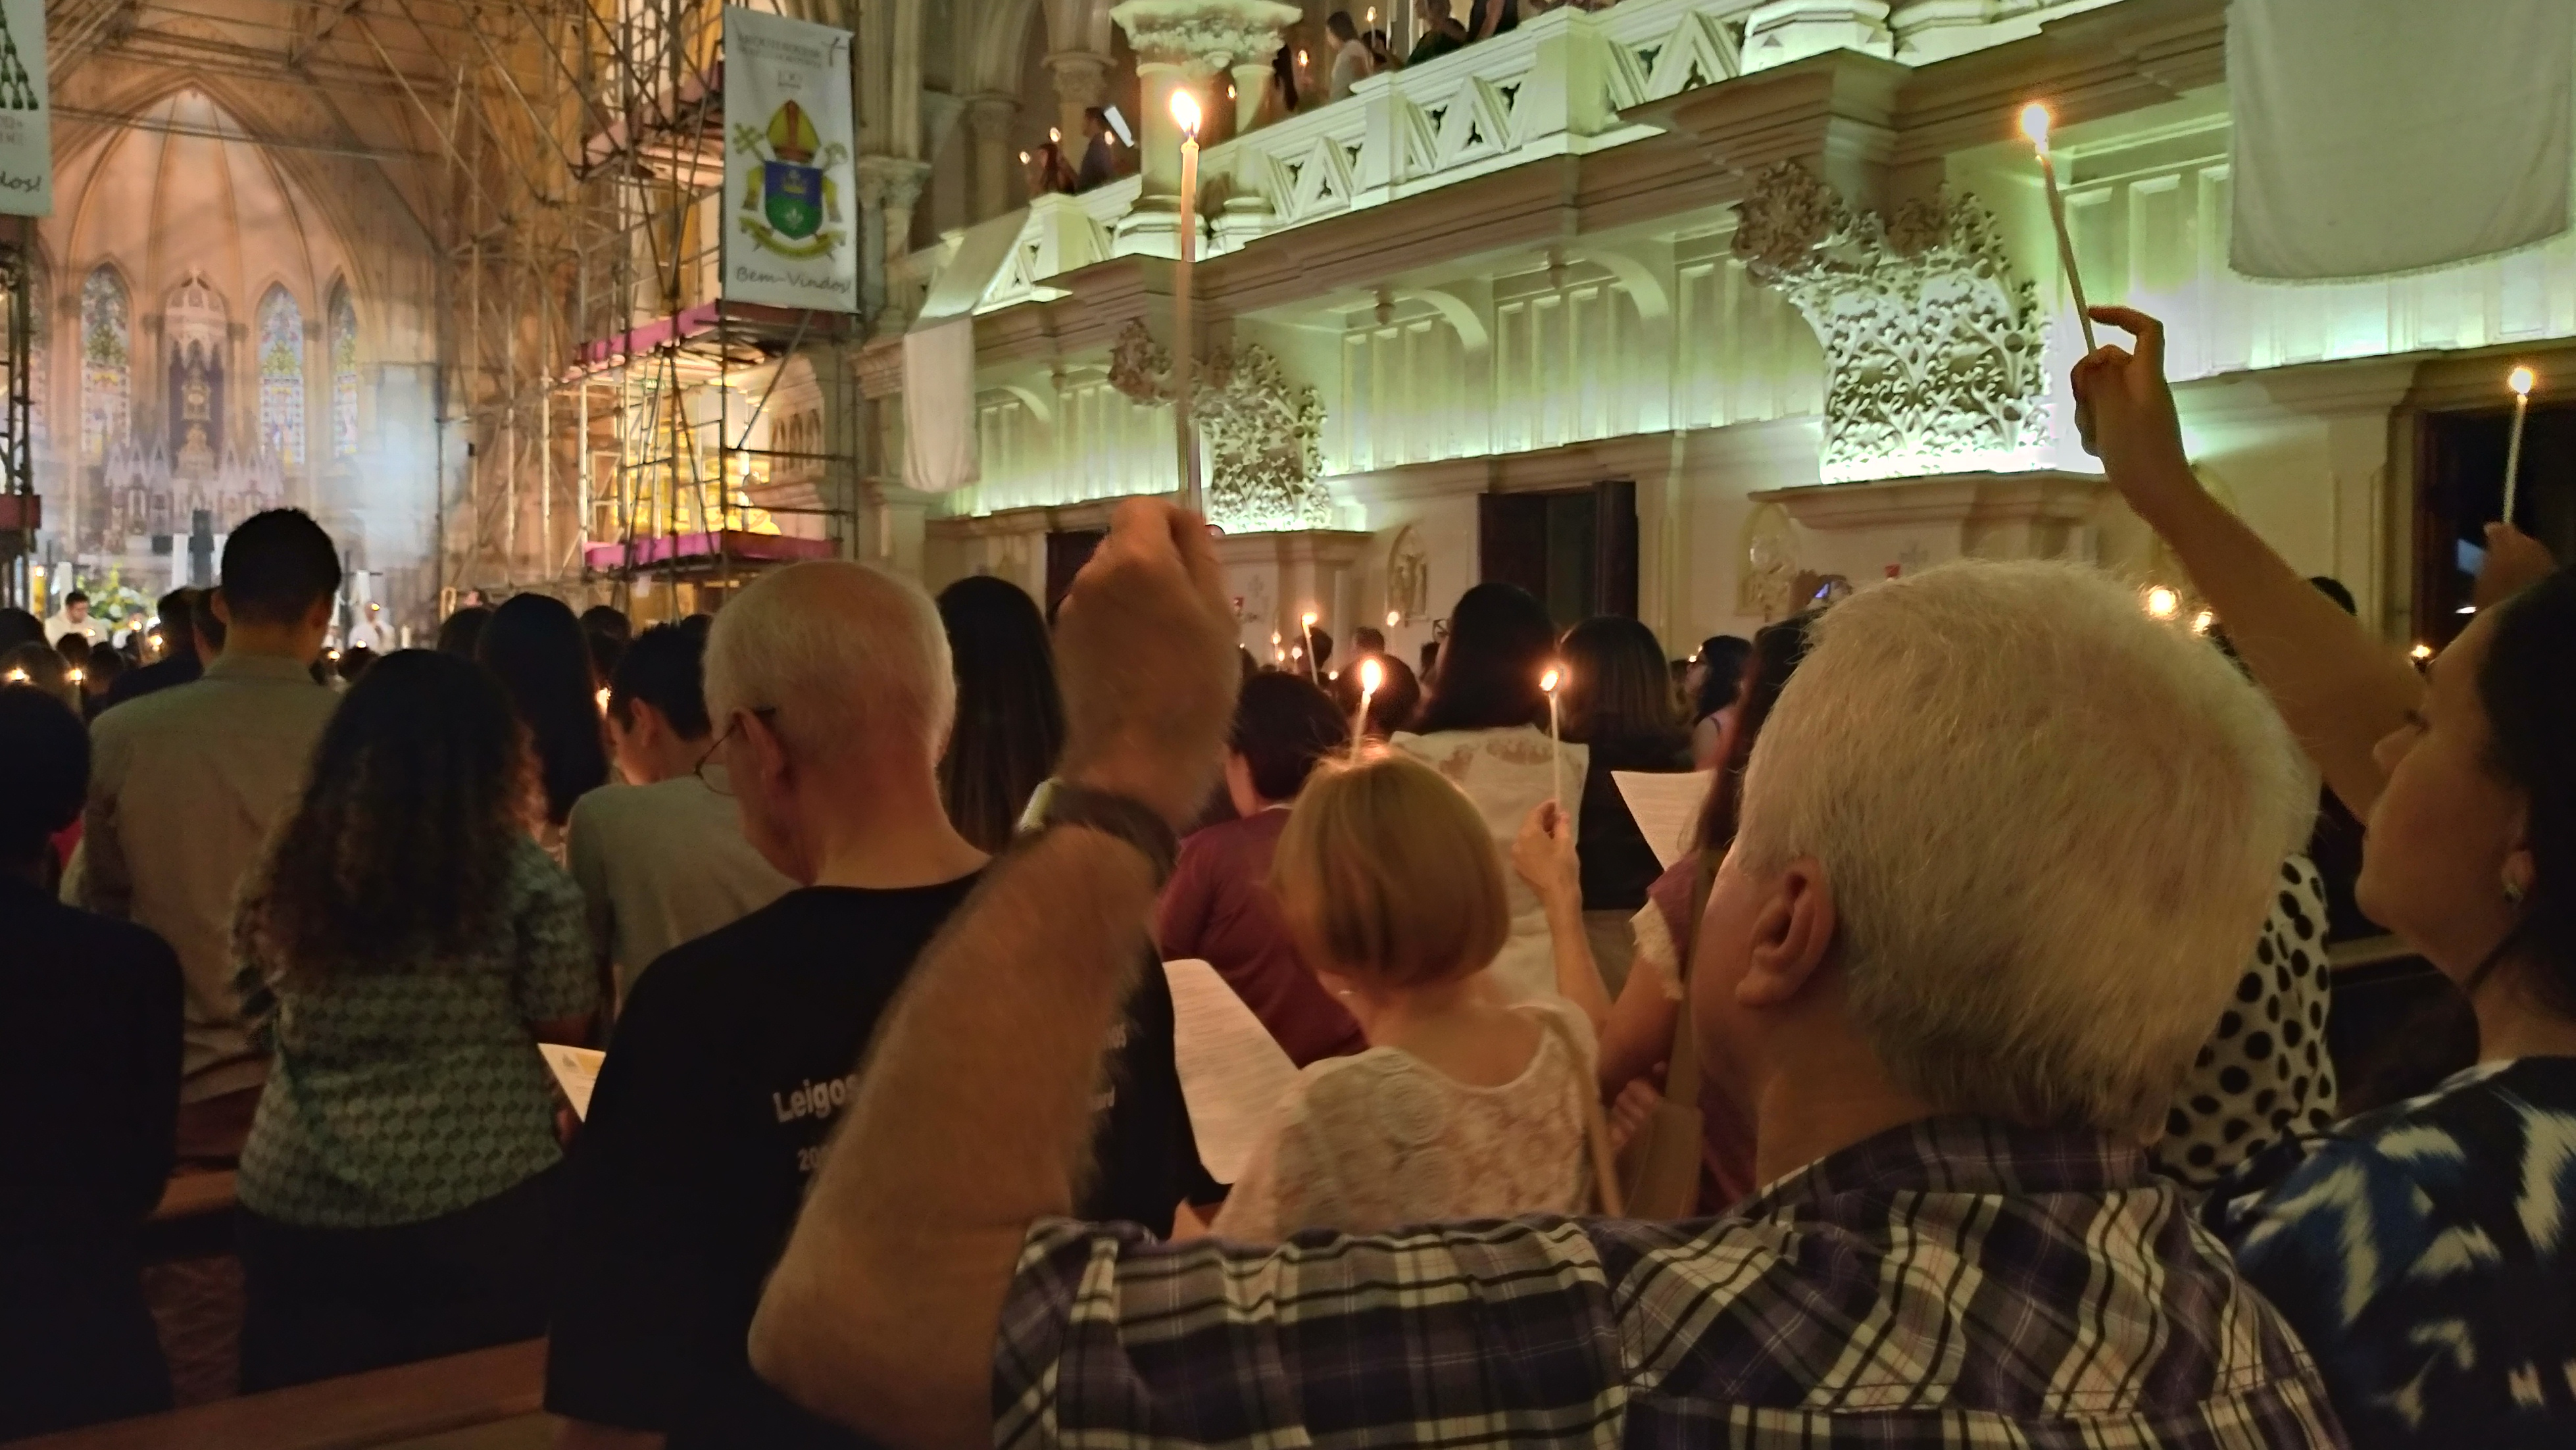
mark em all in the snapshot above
pixel 577 1068
pixel 1233 1073
pixel 1665 807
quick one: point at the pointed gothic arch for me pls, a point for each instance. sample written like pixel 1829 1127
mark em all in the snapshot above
pixel 281 376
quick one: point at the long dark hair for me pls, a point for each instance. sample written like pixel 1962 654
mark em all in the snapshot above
pixel 1500 642
pixel 400 844
pixel 1721 662
pixel 1775 656
pixel 1010 715
pixel 1617 685
pixel 536 647
pixel 2528 688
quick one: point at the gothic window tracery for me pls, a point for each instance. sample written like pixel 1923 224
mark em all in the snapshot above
pixel 344 372
pixel 107 362
pixel 281 376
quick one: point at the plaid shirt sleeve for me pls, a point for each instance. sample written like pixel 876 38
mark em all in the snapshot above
pixel 1470 1335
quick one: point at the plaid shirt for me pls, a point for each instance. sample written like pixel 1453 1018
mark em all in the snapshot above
pixel 1950 1283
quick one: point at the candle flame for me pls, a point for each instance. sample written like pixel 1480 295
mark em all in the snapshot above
pixel 1024 158
pixel 1372 674
pixel 1548 681
pixel 1393 619
pixel 1056 134
pixel 2520 380
pixel 17 677
pixel 73 675
pixel 2420 653
pixel 602 697
pixel 2201 622
pixel 2034 124
pixel 1301 57
pixel 2163 603
pixel 1310 617
pixel 1185 111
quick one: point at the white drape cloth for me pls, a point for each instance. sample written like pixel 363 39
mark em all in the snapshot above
pixel 2382 136
pixel 939 451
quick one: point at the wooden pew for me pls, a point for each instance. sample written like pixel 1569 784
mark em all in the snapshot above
pixel 497 1391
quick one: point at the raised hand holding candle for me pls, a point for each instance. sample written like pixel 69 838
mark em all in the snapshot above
pixel 1308 623
pixel 2034 124
pixel 1185 110
pixel 1372 675
pixel 2520 380
pixel 1555 739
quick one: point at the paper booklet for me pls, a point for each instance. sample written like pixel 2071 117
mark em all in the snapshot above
pixel 1233 1073
pixel 1666 808
pixel 577 1069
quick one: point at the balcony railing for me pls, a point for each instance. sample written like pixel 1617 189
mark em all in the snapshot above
pixel 1553 87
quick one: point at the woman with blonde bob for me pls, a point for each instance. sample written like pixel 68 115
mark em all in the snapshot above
pixel 1464 1106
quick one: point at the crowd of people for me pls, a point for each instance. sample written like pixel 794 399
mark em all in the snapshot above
pixel 1961 1080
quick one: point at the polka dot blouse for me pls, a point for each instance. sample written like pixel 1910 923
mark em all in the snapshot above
pixel 2264 1073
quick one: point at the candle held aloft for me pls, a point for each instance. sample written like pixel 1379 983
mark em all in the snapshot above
pixel 2035 122
pixel 1185 111
pixel 1372 675
pixel 1555 739
pixel 1306 623
pixel 2520 380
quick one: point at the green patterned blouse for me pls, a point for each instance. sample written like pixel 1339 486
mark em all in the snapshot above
pixel 402 1091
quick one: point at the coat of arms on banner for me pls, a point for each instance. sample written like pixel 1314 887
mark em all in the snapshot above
pixel 789 202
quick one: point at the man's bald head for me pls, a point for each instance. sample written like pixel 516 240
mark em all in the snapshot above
pixel 848 657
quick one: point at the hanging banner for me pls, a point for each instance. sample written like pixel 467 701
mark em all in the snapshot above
pixel 791 193
pixel 26 112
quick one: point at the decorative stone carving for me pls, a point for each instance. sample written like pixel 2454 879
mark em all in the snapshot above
pixel 1933 347
pixel 1216 35
pixel 1261 431
pixel 1408 578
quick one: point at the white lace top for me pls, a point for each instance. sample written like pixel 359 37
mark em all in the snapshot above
pixel 1378 1141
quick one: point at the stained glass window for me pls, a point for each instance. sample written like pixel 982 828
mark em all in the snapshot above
pixel 281 376
pixel 107 359
pixel 344 373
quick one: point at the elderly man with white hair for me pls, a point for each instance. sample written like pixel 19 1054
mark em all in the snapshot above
pixel 2005 842
pixel 738 1053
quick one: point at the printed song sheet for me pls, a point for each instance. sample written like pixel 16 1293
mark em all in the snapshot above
pixel 1233 1073
pixel 1666 807
pixel 577 1069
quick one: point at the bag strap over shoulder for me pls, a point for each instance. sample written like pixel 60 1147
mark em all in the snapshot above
pixel 1606 1197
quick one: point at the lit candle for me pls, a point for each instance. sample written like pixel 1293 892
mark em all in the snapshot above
pixel 2420 653
pixel 1185 111
pixel 602 698
pixel 2163 603
pixel 73 675
pixel 1393 619
pixel 2520 380
pixel 2034 124
pixel 2201 622
pixel 17 677
pixel 1308 620
pixel 1372 675
pixel 1555 739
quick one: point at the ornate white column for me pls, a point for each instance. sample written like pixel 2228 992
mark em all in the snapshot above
pixel 1187 42
pixel 1081 82
pixel 988 118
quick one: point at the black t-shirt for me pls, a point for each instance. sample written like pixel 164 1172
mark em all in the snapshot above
pixel 734 1058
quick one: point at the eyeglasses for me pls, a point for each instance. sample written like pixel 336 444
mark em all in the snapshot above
pixel 719 782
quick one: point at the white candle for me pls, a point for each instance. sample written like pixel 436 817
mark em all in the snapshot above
pixel 2034 124
pixel 2520 380
pixel 1555 740
pixel 1309 623
pixel 1372 674
pixel 1185 110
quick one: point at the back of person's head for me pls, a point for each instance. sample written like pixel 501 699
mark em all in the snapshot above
pixel 204 623
pixel 1321 640
pixel 105 663
pixel 2333 588
pixel 1486 674
pixel 1398 699
pixel 698 626
pixel 18 627
pixel 1342 26
pixel 609 620
pixel 279 567
pixel 1773 656
pixel 1617 683
pixel 42 666
pixel 1387 875
pixel 178 610
pixel 2527 686
pixel 535 645
pixel 850 658
pixel 75 649
pixel 2050 827
pixel 1284 726
pixel 47 750
pixel 1010 714
pixel 1366 640
pixel 401 839
pixel 461 633
pixel 665 668
pixel 607 632
pixel 354 662
pixel 1095 120
pixel 1721 666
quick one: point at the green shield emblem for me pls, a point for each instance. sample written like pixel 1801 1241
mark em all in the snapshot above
pixel 792 198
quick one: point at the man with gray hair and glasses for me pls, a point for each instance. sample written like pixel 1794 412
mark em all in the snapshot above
pixel 829 692
pixel 2005 843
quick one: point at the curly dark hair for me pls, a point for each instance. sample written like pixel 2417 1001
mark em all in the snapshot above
pixel 401 841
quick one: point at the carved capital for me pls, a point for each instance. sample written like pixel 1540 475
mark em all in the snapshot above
pixel 1205 36
pixel 891 181
pixel 1081 77
pixel 1263 431
pixel 1934 348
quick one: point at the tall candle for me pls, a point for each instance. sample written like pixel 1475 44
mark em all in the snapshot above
pixel 1372 675
pixel 1555 740
pixel 1308 624
pixel 1185 110
pixel 2520 380
pixel 2034 124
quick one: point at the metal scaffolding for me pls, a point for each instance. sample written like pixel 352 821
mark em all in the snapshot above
pixel 20 511
pixel 623 422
